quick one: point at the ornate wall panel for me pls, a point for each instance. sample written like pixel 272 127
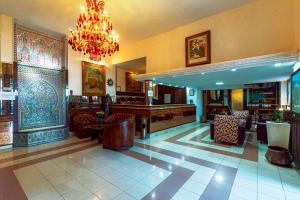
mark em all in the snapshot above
pixel 40 137
pixel 41 88
pixel 37 50
pixel 41 98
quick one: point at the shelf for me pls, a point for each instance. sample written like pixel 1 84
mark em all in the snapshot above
pixel 262 88
pixel 267 93
pixel 265 103
pixel 266 98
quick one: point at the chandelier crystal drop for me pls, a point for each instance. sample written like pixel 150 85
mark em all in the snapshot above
pixel 94 34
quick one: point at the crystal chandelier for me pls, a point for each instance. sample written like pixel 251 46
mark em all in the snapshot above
pixel 94 34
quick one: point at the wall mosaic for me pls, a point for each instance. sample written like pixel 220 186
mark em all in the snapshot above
pixel 41 98
pixel 40 137
pixel 38 50
pixel 41 88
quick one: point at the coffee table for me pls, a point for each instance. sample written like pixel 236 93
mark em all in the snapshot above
pixel 96 131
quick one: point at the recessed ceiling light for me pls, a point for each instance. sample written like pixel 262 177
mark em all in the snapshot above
pixel 219 83
pixel 233 70
pixel 202 73
pixel 284 64
pixel 297 66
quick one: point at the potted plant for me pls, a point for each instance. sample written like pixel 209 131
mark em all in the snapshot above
pixel 278 130
pixel 100 116
pixel 278 140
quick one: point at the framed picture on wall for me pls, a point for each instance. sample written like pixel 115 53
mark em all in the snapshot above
pixel 132 85
pixel 93 79
pixel 198 49
pixel 192 92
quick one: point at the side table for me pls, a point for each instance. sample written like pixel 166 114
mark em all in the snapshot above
pixel 96 131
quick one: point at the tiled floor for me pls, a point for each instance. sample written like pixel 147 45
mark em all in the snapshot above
pixel 180 164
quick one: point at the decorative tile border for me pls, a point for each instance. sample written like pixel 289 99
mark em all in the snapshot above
pixel 250 152
pixel 40 137
pixel 34 153
pixel 216 189
pixel 10 189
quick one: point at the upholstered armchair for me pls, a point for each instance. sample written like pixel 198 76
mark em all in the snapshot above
pixel 229 129
pixel 119 132
pixel 81 121
pixel 245 115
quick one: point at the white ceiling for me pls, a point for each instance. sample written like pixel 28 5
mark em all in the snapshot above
pixel 270 68
pixel 133 19
pixel 138 65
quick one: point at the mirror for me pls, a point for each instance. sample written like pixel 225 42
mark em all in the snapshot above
pixel 215 96
pixel 125 75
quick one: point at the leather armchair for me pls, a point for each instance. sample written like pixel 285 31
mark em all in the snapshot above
pixel 81 121
pixel 119 132
pixel 229 129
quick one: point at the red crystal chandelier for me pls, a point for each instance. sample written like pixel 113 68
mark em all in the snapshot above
pixel 94 34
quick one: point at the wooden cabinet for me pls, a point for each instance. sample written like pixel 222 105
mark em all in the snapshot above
pixel 7 103
pixel 159 117
pixel 263 99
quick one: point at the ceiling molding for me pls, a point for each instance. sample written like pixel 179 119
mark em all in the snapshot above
pixel 245 63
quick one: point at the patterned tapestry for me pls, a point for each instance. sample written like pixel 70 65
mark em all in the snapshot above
pixel 41 88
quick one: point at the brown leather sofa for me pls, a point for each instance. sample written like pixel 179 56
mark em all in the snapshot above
pixel 119 133
pixel 81 121
pixel 229 129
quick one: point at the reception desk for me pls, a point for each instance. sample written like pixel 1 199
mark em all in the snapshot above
pixel 158 117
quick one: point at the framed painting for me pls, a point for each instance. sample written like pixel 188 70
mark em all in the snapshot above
pixel 198 49
pixel 192 92
pixel 131 84
pixel 93 79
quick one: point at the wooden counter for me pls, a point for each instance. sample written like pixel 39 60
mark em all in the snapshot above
pixel 159 117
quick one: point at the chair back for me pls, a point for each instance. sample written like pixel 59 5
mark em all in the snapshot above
pixel 226 128
pixel 84 119
pixel 242 114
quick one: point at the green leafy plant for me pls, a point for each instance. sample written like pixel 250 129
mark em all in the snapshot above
pixel 277 116
pixel 100 114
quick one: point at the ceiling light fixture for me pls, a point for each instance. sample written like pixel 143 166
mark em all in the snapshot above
pixel 284 64
pixel 94 34
pixel 219 83
pixel 202 73
pixel 233 70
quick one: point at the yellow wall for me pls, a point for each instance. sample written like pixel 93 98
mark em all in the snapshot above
pixel 74 59
pixel 237 98
pixel 75 72
pixel 121 78
pixel 6 38
pixel 297 23
pixel 258 28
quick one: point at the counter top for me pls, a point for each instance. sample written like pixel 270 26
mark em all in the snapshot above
pixel 153 107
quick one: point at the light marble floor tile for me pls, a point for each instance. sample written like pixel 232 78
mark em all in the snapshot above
pixel 139 190
pixel 184 194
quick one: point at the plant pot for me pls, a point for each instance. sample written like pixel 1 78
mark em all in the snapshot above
pixel 278 134
pixel 279 156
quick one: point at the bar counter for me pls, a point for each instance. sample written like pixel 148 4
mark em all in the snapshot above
pixel 158 117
